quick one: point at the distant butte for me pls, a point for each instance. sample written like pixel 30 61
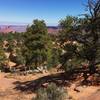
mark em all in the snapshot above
pixel 53 30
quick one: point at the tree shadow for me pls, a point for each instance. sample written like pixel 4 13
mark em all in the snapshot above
pixel 60 79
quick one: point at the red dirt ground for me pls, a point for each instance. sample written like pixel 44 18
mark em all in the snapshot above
pixel 7 91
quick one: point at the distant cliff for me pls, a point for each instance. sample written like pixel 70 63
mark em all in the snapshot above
pixel 22 28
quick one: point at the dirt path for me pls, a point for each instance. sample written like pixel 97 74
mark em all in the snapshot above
pixel 6 83
pixel 94 96
pixel 86 93
pixel 7 91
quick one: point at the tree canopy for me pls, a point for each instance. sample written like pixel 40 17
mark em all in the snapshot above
pixel 37 43
pixel 80 39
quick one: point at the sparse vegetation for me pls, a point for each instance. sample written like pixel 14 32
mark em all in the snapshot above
pixel 75 49
pixel 52 92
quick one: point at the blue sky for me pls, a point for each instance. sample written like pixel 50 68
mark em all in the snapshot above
pixel 24 11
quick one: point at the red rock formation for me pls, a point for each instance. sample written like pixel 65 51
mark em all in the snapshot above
pixel 6 30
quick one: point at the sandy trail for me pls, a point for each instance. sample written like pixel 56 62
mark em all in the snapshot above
pixel 86 93
pixel 7 91
pixel 6 83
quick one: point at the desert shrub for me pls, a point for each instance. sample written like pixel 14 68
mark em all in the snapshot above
pixel 52 92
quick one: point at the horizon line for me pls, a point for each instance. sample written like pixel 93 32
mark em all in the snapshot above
pixel 24 23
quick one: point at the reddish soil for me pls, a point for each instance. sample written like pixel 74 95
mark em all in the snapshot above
pixel 7 91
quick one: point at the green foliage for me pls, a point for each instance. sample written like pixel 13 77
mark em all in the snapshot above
pixel 80 38
pixel 17 57
pixel 2 57
pixel 55 56
pixel 37 44
pixel 20 58
pixel 13 43
pixel 52 92
pixel 69 59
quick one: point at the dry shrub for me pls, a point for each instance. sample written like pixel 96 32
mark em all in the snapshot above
pixel 52 92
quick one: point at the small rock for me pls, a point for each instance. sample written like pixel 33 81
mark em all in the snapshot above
pixel 79 89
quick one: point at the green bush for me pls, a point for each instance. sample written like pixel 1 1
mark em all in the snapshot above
pixel 52 92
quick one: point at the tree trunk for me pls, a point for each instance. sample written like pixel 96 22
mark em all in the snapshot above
pixel 92 68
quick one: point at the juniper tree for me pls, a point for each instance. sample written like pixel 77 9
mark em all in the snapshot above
pixel 80 38
pixel 2 57
pixel 37 45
